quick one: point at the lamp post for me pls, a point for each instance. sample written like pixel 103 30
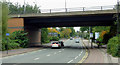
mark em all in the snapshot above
pixel 24 7
pixel 118 24
pixel 65 6
pixel 117 17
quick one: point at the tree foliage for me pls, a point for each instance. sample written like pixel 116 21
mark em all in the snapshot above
pixel 19 9
pixel 5 12
pixel 82 29
pixel 44 35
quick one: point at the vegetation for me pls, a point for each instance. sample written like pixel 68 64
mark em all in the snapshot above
pixel 113 46
pixel 19 9
pixel 44 35
pixel 5 12
pixel 17 39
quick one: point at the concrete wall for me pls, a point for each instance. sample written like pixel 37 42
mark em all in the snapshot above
pixel 15 24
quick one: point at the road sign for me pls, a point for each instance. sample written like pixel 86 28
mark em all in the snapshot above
pixel 96 35
pixel 7 34
pixel 91 35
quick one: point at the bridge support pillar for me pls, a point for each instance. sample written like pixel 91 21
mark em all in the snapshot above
pixel 34 37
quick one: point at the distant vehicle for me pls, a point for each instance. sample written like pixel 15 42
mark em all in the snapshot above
pixel 57 44
pixel 76 41
pixel 71 38
pixel 61 42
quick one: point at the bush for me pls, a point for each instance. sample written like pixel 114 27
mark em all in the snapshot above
pixel 113 46
pixel 11 44
pixel 99 40
pixel 21 38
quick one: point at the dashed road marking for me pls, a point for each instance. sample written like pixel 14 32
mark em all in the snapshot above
pixel 44 49
pixel 70 61
pixel 59 51
pixel 48 55
pixel 76 57
pixel 22 54
pixel 79 54
pixel 36 58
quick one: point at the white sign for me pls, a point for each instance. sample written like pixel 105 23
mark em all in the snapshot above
pixel 96 35
pixel 91 35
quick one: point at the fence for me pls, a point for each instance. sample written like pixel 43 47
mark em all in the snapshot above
pixel 75 9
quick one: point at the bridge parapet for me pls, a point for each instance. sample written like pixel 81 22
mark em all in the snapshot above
pixel 64 14
pixel 68 11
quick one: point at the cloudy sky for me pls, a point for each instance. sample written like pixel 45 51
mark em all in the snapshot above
pixel 51 4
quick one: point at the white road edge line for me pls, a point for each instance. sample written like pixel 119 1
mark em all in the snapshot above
pixel 36 58
pixel 70 61
pixel 48 55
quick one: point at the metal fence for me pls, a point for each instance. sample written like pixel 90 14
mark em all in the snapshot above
pixel 110 7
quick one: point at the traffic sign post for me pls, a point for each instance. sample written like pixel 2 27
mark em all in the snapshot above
pixel 7 34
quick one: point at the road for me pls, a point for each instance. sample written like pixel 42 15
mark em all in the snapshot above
pixel 72 53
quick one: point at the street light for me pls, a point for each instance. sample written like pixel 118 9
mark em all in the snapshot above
pixel 65 6
pixel 24 7
pixel 118 18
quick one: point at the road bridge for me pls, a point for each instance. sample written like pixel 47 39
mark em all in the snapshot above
pixel 34 22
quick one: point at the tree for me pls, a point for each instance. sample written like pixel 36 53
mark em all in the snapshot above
pixel 72 31
pixel 82 29
pixel 5 12
pixel 66 33
pixel 19 9
pixel 100 28
pixel 44 35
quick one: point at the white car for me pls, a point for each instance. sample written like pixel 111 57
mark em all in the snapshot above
pixel 55 45
pixel 77 41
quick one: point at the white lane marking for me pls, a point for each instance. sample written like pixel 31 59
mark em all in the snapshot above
pixel 44 49
pixel 82 51
pixel 70 61
pixel 79 54
pixel 59 51
pixel 22 54
pixel 63 49
pixel 55 53
pixel 48 55
pixel 76 57
pixel 36 58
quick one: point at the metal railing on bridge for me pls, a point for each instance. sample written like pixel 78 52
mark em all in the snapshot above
pixel 75 9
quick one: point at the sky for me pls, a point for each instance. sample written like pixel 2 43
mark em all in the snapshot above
pixel 52 4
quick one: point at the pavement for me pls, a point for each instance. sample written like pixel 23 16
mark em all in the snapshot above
pixel 71 53
pixel 98 55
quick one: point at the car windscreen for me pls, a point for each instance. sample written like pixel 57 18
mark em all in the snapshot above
pixel 55 43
